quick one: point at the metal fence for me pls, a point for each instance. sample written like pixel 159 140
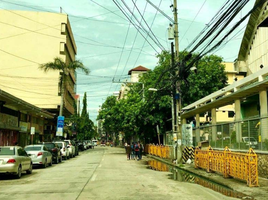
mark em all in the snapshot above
pixel 250 133
pixel 243 166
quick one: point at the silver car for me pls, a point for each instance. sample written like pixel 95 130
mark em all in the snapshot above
pixel 71 147
pixel 14 160
pixel 39 154
pixel 63 148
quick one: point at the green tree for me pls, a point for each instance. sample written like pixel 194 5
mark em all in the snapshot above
pixel 210 76
pixel 59 65
pixel 134 116
pixel 86 126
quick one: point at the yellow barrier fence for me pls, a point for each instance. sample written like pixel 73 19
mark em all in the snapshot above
pixel 160 151
pixel 237 165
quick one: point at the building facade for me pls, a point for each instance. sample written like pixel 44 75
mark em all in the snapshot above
pixel 135 74
pixel 20 122
pixel 248 95
pixel 29 39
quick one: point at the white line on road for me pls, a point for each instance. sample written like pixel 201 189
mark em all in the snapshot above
pixel 100 165
pixel 93 177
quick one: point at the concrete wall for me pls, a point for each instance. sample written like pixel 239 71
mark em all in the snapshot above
pixel 263 165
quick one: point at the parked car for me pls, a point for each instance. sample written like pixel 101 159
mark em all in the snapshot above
pixel 14 160
pixel 63 148
pixel 39 154
pixel 76 148
pixel 89 144
pixel 85 144
pixel 251 142
pixel 54 149
pixel 102 144
pixel 71 147
pixel 95 142
pixel 80 145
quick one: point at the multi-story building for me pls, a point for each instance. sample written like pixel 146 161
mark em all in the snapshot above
pixel 226 113
pixel 135 74
pixel 29 39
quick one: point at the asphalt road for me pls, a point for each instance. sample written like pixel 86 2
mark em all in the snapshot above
pixel 101 173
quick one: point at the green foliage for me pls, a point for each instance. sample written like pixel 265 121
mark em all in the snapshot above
pixel 135 115
pixel 210 77
pixel 84 127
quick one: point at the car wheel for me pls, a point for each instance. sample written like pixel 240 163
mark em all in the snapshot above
pixel 18 175
pixel 30 170
pixel 50 164
pixel 60 159
pixel 45 164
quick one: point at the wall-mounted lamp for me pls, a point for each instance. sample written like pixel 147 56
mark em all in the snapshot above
pixel 235 79
pixel 261 66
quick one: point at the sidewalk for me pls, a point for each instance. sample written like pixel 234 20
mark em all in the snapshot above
pixel 259 193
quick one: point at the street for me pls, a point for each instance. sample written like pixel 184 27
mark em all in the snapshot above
pixel 100 173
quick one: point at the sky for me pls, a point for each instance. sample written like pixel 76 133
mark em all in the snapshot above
pixel 109 45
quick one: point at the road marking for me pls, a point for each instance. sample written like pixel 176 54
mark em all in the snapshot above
pixel 100 165
pixel 93 177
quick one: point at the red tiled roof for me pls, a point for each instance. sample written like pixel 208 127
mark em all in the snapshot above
pixel 139 68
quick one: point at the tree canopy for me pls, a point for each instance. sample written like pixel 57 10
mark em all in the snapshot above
pixel 135 115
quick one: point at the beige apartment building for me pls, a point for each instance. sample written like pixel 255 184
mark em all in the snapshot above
pixel 226 113
pixel 27 40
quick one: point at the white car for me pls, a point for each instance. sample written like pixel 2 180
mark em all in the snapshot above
pixel 63 148
pixel 95 142
pixel 71 147
pixel 39 154
pixel 250 141
pixel 14 160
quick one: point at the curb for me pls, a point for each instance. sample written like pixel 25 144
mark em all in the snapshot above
pixel 192 172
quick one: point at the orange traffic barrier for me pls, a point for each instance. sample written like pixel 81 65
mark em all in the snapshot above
pixel 160 151
pixel 229 164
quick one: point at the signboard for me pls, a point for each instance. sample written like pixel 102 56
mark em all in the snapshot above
pixel 60 125
pixel 23 126
pixel 32 130
pixel 187 134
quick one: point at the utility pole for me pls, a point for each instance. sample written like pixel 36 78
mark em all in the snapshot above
pixel 177 95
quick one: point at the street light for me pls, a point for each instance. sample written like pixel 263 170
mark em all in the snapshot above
pixel 153 89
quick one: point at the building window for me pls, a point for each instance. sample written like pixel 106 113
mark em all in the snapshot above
pixel 231 114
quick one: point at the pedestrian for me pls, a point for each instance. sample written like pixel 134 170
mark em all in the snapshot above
pixel 137 151
pixel 132 151
pixel 141 150
pixel 128 151
pixel 125 146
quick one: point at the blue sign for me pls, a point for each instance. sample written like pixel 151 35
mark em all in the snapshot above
pixel 60 125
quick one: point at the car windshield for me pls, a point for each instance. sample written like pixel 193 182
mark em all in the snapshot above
pixel 59 144
pixel 33 148
pixel 7 151
pixel 50 145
